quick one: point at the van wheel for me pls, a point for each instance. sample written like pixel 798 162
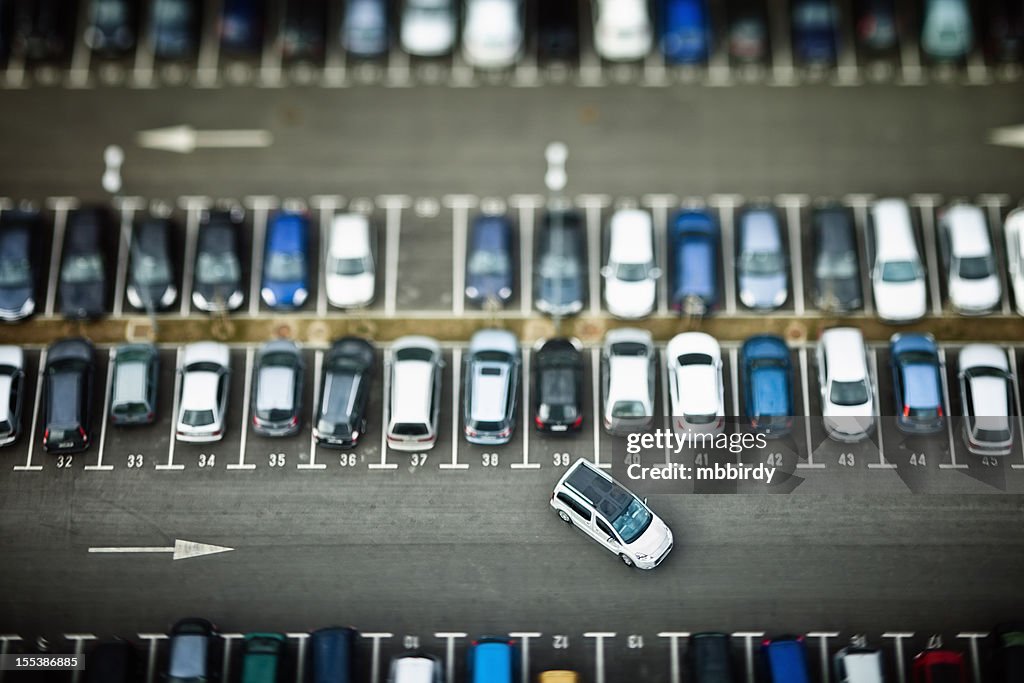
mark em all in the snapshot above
pixel 625 560
pixel 565 517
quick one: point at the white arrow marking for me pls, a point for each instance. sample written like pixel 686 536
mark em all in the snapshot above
pixel 182 550
pixel 1010 136
pixel 184 139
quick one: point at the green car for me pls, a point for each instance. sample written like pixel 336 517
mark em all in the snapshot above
pixel 263 657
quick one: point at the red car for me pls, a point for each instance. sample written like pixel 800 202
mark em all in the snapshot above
pixel 940 666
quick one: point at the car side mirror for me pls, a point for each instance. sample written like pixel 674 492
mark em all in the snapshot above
pixel 606 271
pixel 611 539
pixel 645 501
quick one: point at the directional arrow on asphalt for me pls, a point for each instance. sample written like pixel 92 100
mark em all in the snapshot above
pixel 181 550
pixel 184 139
pixel 1010 136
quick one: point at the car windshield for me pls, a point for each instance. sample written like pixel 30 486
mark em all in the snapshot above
pixel 216 269
pixel 559 266
pixel 633 521
pixel 837 265
pixel 82 269
pixel 348 266
pixel 197 418
pixel 899 271
pixel 147 270
pixel 975 267
pixel 849 393
pixel 631 272
pixel 15 272
pixel 761 263
pixel 486 262
pixel 628 409
pixel 284 267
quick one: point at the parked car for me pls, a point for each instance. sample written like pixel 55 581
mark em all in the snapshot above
pixel 303 31
pixel 972 277
pixel 747 33
pixel 558 25
pixel 693 369
pixel 785 659
pixel 134 381
pixel 837 276
pixel 876 27
pixel 709 658
pixel 630 276
pixel 427 27
pixel 151 276
pixel 847 404
pixel 415 400
pixel 205 381
pixel 1008 645
pixel 262 657
pixel 946 31
pixel 46 30
pixel 285 270
pixel 987 391
pixel 766 373
pixel 602 508
pixel 364 30
pixel 559 676
pixel 18 273
pixel 628 362
pixel 695 262
pixel 560 277
pixel 489 261
pixel 686 33
pixel 897 277
pixel 82 290
pixel 195 652
pixel 218 271
pixel 814 31
pixel 415 667
pixel 761 273
pixel 858 664
pixel 939 666
pixel 493 660
pixel 277 389
pixel 1014 235
pixel 112 27
pixel 350 271
pixel 491 383
pixel 113 661
pixel 623 31
pixel 1005 31
pixel 12 393
pixel 241 27
pixel 67 396
pixel 348 373
pixel 558 385
pixel 917 383
pixel 175 28
pixel 492 33
pixel 333 655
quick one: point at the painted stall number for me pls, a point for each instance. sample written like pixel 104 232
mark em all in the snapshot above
pixel 918 460
pixel 635 641
pixel 411 642
pixel 561 459
pixel 774 460
pixel 418 459
pixel 348 459
pixel 276 459
pixel 64 461
pixel 207 460
pixel 847 460
pixel 135 460
pixel 560 642
pixel 489 459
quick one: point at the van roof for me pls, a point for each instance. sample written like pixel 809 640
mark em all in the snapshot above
pixel 605 494
pixel 632 237
pixel 350 236
pixel 411 391
pixel 845 346
pixel 968 232
pixel 893 231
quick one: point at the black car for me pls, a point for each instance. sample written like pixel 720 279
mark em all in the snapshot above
pixel 67 396
pixel 241 26
pixel 6 29
pixel 747 32
pixel 277 389
pixel 837 278
pixel 218 272
pixel 17 264
pixel 115 661
pixel 344 391
pixel 558 386
pixel 558 23
pixel 876 28
pixel 45 29
pixel 112 27
pixel 175 27
pixel 560 275
pixel 1005 39
pixel 151 275
pixel 302 36
pixel 83 271
pixel 1008 646
pixel 709 658
pixel 195 652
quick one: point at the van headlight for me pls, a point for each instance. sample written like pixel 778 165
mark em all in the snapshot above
pixel 643 556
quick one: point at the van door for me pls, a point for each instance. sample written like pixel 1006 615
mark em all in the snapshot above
pixel 605 535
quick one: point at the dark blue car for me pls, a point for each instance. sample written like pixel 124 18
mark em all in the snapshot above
pixel 175 26
pixel 18 230
pixel 814 31
pixel 285 270
pixel 785 659
pixel 695 242
pixel 686 36
pixel 241 26
pixel 489 268
pixel 767 375
pixel 917 383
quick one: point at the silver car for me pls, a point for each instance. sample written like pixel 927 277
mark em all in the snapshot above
pixel 491 383
pixel 946 29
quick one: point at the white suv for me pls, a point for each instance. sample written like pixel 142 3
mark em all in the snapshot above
pixel 627 386
pixel 987 392
pixel 205 377
pixel 693 367
pixel 415 400
pixel 967 251
pixel 897 277
pixel 590 500
pixel 847 405
pixel 630 275
pixel 350 272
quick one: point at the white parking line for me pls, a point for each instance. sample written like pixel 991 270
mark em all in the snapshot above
pixel 599 638
pixel 193 206
pixel 5 645
pixel 61 206
pixel 675 671
pixel 1012 353
pixel 882 463
pixel 822 638
pixel 449 665
pixel 726 205
pixel 847 71
pixel 925 204
pixel 807 413
pixel 748 649
pixel 994 204
pixel 952 464
pixel 898 638
pixel 318 364
pixel 524 410
pixel 460 205
pixel 783 71
pixel 456 436
pixel 80 639
pixel 526 205
pixel 592 205
pixel 335 70
pixel 244 433
pixel 142 69
pixel 374 639
pixel 209 46
pixel 151 654
pixel 385 408
pixel 910 57
pixel 974 637
pixel 127 206
pixel 81 55
pixel 734 372
pixel 524 652
pixel 860 203
pixel 106 415
pixel 595 369
pixel 659 204
pixel 174 416
pixel 393 205
pixel 273 47
pixel 28 466
pixel 793 205
pixel 261 207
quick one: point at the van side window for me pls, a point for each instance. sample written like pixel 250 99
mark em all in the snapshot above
pixel 604 527
pixel 575 506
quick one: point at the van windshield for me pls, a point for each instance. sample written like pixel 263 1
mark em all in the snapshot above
pixel 633 521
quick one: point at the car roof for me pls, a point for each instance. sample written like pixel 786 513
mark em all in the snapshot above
pixel 412 402
pixel 983 355
pixel 63 398
pixel 199 390
pixel 968 232
pixel 276 389
pixel 834 230
pixel 693 342
pixel 604 493
pixel 628 379
pixel 490 381
pixel 350 236
pixel 760 231
pixel 496 340
pixel 490 232
pixel 844 346
pixel 130 382
pixel 12 355
pixel 205 352
pixel 631 238
pixel 287 232
pixel 893 230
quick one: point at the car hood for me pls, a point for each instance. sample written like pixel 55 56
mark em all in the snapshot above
pixel 843 292
pixel 901 301
pixel 488 286
pixel 14 298
pixel 654 541
pixel 219 294
pixel 82 299
pixel 560 291
pixel 355 290
pixel 763 291
pixel 629 299
pixel 979 295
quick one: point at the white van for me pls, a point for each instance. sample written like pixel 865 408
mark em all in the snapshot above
pixel 415 400
pixel 973 281
pixel 897 277
pixel 349 272
pixel 630 275
pixel 858 665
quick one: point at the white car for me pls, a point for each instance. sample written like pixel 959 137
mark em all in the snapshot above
pixel 627 386
pixel 492 36
pixel 623 31
pixel 1014 233
pixel 897 277
pixel 693 366
pixel 350 274
pixel 630 275
pixel 987 393
pixel 847 402
pixel 602 508
pixel 205 376
pixel 415 399
pixel 973 282
pixel 428 27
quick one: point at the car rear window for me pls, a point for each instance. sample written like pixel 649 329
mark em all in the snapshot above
pixel 410 429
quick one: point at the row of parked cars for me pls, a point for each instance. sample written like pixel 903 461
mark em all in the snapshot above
pixel 196 651
pixel 491 372
pixel 494 32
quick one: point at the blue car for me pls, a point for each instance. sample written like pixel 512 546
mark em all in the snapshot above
pixel 686 37
pixel 917 383
pixel 767 375
pixel 364 31
pixel 489 268
pixel 241 26
pixel 785 659
pixel 285 271
pixel 695 241
pixel 814 31
pixel 493 660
